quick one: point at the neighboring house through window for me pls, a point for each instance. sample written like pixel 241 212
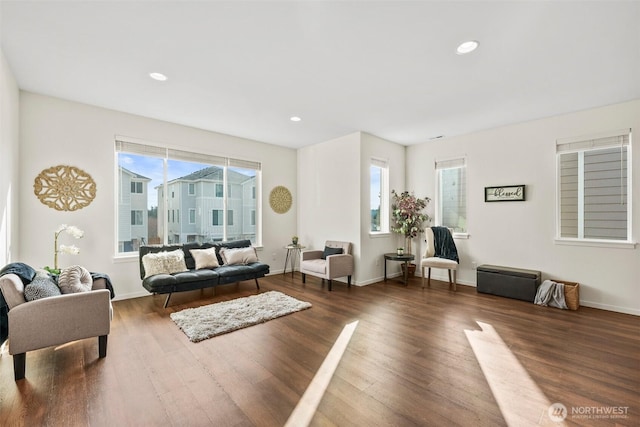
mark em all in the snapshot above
pixel 594 187
pixel 451 200
pixel 215 184
pixel 136 217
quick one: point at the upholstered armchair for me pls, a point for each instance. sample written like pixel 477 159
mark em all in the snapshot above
pixel 336 260
pixel 441 252
pixel 54 320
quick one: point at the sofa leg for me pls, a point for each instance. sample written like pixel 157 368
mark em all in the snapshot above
pixel 166 302
pixel 304 278
pixel 257 285
pixel 348 281
pixel 329 284
pixel 19 362
pixel 102 346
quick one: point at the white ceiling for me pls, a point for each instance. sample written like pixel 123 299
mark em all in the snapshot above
pixel 384 67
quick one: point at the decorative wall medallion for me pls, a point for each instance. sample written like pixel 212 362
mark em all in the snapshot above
pixel 280 199
pixel 65 188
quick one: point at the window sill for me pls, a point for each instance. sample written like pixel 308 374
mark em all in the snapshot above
pixel 379 234
pixel 125 257
pixel 596 243
pixel 460 235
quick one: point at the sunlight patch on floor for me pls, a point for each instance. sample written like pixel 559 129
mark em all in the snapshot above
pixel 306 408
pixel 521 401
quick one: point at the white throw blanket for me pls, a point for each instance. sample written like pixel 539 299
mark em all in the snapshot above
pixel 552 294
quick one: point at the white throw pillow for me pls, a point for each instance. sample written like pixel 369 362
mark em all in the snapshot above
pixel 205 258
pixel 164 263
pixel 75 279
pixel 239 255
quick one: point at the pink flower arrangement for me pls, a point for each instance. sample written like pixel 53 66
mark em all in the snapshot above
pixel 407 214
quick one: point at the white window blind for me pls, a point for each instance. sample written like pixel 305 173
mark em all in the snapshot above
pixel 594 187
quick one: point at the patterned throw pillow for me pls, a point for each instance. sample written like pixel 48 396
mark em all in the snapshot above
pixel 205 258
pixel 164 263
pixel 239 255
pixel 41 287
pixel 75 279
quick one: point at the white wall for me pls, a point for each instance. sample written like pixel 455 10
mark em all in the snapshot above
pixel 329 194
pixel 521 234
pixel 59 132
pixel 9 125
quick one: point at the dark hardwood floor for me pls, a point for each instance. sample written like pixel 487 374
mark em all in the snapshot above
pixel 417 358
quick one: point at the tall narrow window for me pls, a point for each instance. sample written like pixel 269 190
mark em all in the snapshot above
pixel 451 202
pixel 379 196
pixel 192 216
pixel 594 187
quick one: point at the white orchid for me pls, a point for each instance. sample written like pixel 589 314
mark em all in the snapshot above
pixel 73 249
pixel 65 249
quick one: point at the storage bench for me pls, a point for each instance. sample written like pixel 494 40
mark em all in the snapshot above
pixel 508 282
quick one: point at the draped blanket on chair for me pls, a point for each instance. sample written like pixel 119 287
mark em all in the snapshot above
pixel 444 245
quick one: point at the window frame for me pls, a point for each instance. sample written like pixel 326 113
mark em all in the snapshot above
pixel 385 195
pixel 591 144
pixel 144 150
pixel 448 164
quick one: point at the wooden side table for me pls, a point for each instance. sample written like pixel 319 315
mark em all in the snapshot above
pixel 401 258
pixel 293 253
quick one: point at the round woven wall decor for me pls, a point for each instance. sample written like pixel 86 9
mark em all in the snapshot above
pixel 65 188
pixel 280 199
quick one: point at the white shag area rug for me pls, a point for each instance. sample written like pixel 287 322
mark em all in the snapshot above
pixel 215 319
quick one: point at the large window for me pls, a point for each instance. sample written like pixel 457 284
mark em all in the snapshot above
pixel 379 196
pixel 451 202
pixel 168 180
pixel 594 187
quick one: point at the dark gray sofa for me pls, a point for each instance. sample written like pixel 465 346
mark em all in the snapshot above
pixel 198 279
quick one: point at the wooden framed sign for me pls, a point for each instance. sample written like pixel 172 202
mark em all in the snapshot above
pixel 507 193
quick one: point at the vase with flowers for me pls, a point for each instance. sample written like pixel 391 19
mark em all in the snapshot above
pixel 408 216
pixel 65 249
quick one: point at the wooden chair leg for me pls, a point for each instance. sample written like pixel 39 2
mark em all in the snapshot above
pixel 329 284
pixel 102 346
pixel 304 278
pixel 455 275
pixel 257 284
pixel 429 278
pixel 422 275
pixel 19 364
pixel 450 282
pixel 348 281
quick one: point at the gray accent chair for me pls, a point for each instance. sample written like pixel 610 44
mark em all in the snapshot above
pixel 334 266
pixel 54 320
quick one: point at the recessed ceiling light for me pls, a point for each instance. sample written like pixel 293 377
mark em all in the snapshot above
pixel 467 47
pixel 295 119
pixel 158 76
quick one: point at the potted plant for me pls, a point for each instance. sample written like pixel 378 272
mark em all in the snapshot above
pixel 408 217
